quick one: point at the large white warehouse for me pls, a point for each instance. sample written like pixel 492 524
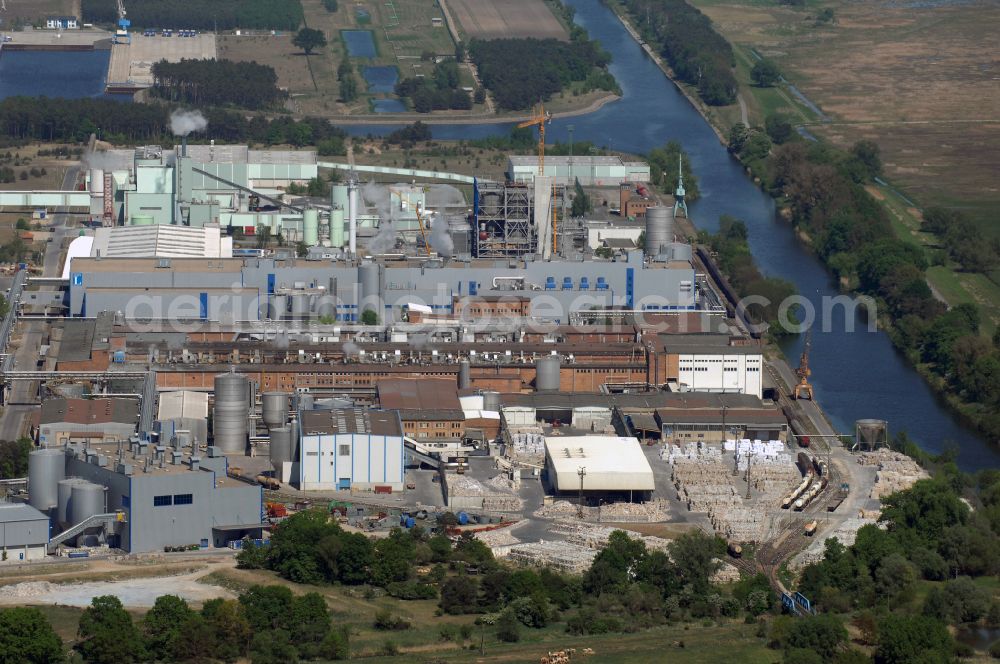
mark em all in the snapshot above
pixel 609 464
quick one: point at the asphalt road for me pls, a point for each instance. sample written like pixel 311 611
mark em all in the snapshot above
pixel 23 394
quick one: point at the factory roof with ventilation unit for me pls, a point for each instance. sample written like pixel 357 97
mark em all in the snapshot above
pixel 350 421
pixel 612 463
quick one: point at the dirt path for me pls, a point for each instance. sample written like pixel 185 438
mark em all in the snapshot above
pixel 744 116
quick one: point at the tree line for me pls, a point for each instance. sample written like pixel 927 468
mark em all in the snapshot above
pixel 698 54
pixel 520 72
pixel 824 190
pixel 218 83
pixel 439 91
pixel 74 120
pixel 267 624
pixel 732 254
pixel 203 15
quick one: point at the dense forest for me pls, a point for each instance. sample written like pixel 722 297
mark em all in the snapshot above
pixel 74 120
pixel 202 15
pixel 520 72
pixel 218 83
pixel 698 54
pixel 436 92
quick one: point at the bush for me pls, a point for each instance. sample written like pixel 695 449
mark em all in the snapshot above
pixel 508 628
pixel 385 621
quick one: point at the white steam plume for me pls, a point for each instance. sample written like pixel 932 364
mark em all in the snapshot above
pixel 183 123
pixel 378 197
pixel 440 239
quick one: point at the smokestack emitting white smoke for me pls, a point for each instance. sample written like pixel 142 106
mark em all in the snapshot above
pixel 183 123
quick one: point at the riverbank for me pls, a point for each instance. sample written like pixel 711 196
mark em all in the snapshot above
pixel 972 414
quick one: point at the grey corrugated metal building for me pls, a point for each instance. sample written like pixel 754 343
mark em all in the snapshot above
pixel 24 532
pixel 243 289
pixel 171 504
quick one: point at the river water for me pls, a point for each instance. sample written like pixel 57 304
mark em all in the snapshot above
pixel 856 374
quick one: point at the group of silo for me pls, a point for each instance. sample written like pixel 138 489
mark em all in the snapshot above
pixel 230 418
pixel 74 499
pixel 284 435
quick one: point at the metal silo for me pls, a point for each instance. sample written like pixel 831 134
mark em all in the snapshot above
pixel 46 468
pixel 64 491
pixel 464 375
pixel 547 373
pixel 659 229
pixel 369 278
pixel 310 227
pixel 680 252
pixel 337 228
pixel 279 307
pixel 281 447
pixel 300 306
pixel 274 408
pixel 339 196
pixel 86 500
pixel 293 426
pixel 491 401
pixel 231 413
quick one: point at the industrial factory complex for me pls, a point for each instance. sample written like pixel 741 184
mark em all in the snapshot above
pixel 211 345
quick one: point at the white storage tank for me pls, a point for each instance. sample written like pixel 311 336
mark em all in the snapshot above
pixel 86 500
pixel 46 468
pixel 64 493
pixel 547 373
pixel 281 447
pixel 274 408
pixel 231 412
pixel 310 227
pixel 659 229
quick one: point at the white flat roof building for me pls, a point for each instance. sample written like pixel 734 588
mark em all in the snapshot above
pixel 612 463
pixel 161 241
pixel 591 171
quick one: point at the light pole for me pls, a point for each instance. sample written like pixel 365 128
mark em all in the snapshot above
pixel 582 472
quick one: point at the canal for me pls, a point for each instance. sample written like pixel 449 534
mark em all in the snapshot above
pixel 857 374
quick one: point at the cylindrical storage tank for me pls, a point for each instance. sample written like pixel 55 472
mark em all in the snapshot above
pixel 293 426
pixel 337 228
pixel 547 373
pixel 279 307
pixel 97 181
pixel 680 252
pixel 231 412
pixel 491 401
pixel 46 468
pixel 300 305
pixel 141 220
pixel 281 447
pixel 86 500
pixel 339 196
pixel 310 227
pixel 464 375
pixel 63 493
pixel 368 277
pixel 659 229
pixel 274 408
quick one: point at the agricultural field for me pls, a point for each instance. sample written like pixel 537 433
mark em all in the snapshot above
pixel 914 77
pixel 277 52
pixel 485 19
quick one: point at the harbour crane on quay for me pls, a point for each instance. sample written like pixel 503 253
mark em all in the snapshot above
pixel 540 118
pixel 121 35
pixel 804 389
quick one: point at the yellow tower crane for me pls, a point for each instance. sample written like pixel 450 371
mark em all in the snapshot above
pixel 540 118
pixel 804 390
